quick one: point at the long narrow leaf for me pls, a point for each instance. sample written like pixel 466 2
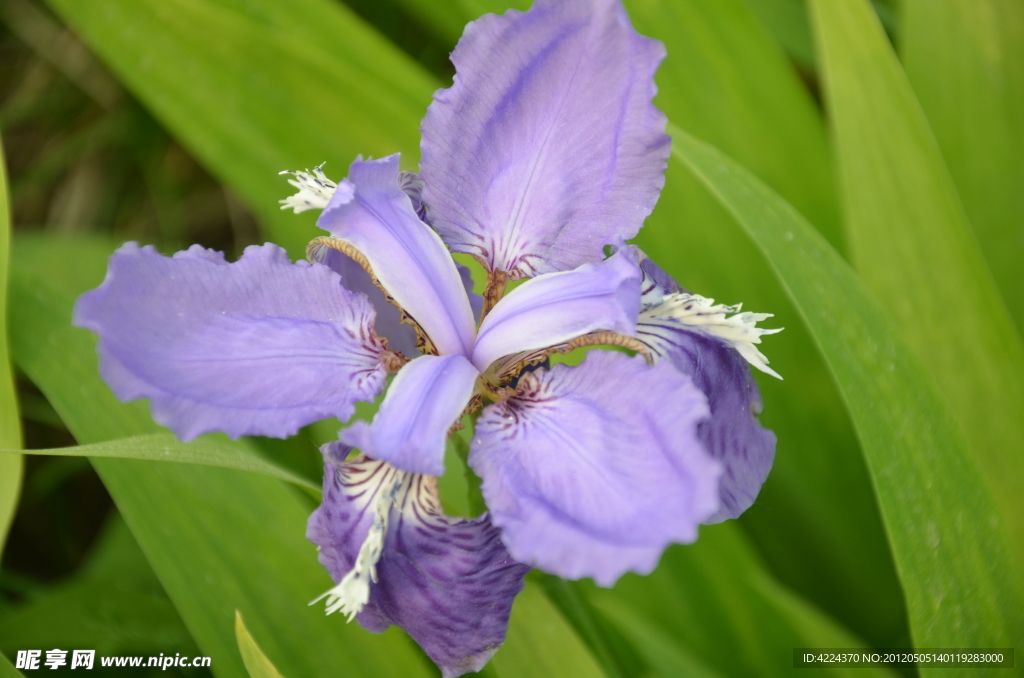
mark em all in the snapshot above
pixel 207 451
pixel 915 249
pixel 541 643
pixel 957 568
pixel 256 663
pixel 966 62
pixel 254 88
pixel 10 424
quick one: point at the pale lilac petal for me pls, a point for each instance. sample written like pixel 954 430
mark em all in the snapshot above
pixel 401 336
pixel 591 471
pixel 558 307
pixel 449 582
pixel 262 346
pixel 425 399
pixel 372 213
pixel 547 146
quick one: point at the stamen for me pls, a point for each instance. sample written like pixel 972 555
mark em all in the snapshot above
pixel 315 190
pixel 353 591
pixel 705 316
pixel 497 283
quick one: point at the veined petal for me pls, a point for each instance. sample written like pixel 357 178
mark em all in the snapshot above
pixel 732 434
pixel 261 346
pixel 591 471
pixel 371 212
pixel 547 146
pixel 401 336
pixel 425 399
pixel 557 307
pixel 449 582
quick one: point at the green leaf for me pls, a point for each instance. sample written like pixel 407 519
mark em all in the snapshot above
pixel 256 663
pixel 956 566
pixel 7 669
pixel 915 249
pixel 10 424
pixel 114 604
pixel 541 643
pixel 725 612
pixel 218 539
pixel 787 21
pixel 816 520
pixel 256 87
pixel 210 450
pixel 965 62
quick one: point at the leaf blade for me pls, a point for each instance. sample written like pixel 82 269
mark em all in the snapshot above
pixel 206 450
pixel 256 663
pixel 10 424
pixel 954 557
pixel 915 249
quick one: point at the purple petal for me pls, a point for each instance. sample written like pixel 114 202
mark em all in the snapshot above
pixel 262 346
pixel 401 336
pixel 592 471
pixel 547 146
pixel 425 399
pixel 558 307
pixel 733 435
pixel 372 213
pixel 449 582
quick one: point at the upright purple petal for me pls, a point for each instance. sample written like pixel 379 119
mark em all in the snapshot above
pixel 262 346
pixel 547 146
pixel 371 212
pixel 449 582
pixel 732 435
pixel 558 307
pixel 592 471
pixel 425 399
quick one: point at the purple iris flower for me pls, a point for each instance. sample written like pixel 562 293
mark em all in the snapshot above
pixel 544 153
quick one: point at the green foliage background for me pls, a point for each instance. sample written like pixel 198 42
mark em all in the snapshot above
pixel 855 168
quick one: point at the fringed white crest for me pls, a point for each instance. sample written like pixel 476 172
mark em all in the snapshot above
pixel 315 190
pixel 703 315
pixel 353 591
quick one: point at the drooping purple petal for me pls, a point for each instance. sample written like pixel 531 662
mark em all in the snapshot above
pixel 425 399
pixel 261 346
pixel 371 212
pixel 732 435
pixel 449 582
pixel 547 146
pixel 557 307
pixel 592 471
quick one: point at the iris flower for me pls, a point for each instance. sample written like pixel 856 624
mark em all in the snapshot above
pixel 545 154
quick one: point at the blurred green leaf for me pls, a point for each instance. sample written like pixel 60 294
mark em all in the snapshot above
pixel 665 655
pixel 787 21
pixel 210 450
pixel 254 87
pixel 816 520
pixel 7 669
pixel 962 584
pixel 115 604
pixel 914 247
pixel 10 424
pixel 965 60
pixel 256 663
pixel 541 643
pixel 721 608
pixel 218 539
